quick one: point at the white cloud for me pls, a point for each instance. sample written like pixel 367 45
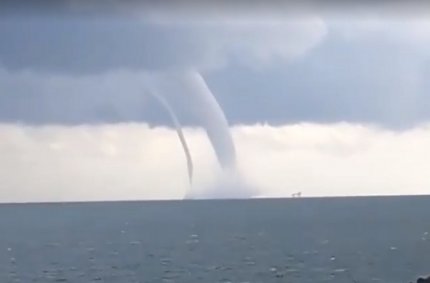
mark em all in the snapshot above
pixel 339 159
pixel 413 33
pixel 133 161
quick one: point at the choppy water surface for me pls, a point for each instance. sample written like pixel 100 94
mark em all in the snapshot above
pixel 297 240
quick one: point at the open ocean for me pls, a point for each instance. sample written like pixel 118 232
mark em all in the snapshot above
pixel 366 239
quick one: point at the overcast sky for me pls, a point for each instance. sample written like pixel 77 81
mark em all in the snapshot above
pixel 320 67
pixel 87 65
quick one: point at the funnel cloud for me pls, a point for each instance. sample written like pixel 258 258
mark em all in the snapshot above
pixel 179 131
pixel 211 117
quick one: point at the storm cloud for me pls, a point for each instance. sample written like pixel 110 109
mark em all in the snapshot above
pixel 322 98
pixel 77 62
pixel 367 70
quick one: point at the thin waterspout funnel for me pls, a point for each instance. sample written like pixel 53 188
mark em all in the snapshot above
pixel 179 131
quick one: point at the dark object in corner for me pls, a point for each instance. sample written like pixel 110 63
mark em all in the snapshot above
pixel 423 279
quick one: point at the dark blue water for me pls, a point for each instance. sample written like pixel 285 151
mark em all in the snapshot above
pixel 297 240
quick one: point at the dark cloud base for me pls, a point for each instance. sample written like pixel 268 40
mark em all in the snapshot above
pixel 334 83
pixel 130 7
pixel 76 46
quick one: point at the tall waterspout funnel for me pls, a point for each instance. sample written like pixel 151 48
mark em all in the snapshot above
pixel 193 91
pixel 211 117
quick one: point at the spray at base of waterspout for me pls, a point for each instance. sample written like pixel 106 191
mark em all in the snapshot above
pixel 229 185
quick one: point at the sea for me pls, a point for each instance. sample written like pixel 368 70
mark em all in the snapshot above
pixel 357 239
